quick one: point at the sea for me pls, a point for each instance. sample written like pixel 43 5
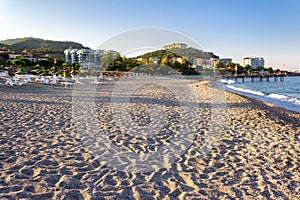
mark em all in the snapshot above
pixel 285 94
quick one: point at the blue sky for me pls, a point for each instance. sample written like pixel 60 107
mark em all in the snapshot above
pixel 230 28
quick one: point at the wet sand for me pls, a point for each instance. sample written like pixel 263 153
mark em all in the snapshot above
pixel 255 156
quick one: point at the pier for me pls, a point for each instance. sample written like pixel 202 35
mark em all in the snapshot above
pixel 256 76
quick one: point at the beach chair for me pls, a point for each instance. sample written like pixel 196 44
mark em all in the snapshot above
pixel 75 79
pixel 65 83
pixel 46 81
pixel 61 78
pixel 27 79
pixel 38 79
pixel 12 83
pixel 110 78
pixel 54 80
pixel 9 82
pixel 96 81
pixel 16 78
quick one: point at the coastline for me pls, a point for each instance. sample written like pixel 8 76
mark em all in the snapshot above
pixel 42 156
pixel 270 107
pixel 283 94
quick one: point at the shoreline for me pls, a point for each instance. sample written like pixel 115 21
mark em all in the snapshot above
pixel 264 102
pixel 282 112
pixel 42 156
pixel 278 99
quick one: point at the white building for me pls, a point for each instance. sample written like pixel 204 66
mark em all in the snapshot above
pixel 210 63
pixel 83 55
pixel 205 63
pixel 30 57
pixel 254 62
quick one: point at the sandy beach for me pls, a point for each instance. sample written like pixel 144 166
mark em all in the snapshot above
pixel 42 156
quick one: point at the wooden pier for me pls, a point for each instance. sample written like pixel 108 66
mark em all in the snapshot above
pixel 260 77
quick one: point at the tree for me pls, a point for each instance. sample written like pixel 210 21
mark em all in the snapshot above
pixel 124 59
pixel 58 64
pixel 240 69
pixel 117 57
pixel 219 65
pixel 107 59
pixel 131 63
pixel 260 68
pixel 165 61
pixel 150 60
pixel 185 67
pixel 117 65
pixel 230 66
pixel 270 70
pixel 184 62
pixel 3 60
pixel 19 63
pixel 177 65
pixel 248 69
pixel 5 56
pixel 47 64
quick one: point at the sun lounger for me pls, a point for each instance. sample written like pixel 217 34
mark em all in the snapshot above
pixel 75 79
pixel 38 79
pixel 27 79
pixel 65 83
pixel 54 80
pixel 12 83
pixel 46 81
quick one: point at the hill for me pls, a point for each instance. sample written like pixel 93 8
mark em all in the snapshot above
pixel 190 53
pixel 39 46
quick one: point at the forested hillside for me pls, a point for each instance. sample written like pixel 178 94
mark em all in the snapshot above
pixel 39 46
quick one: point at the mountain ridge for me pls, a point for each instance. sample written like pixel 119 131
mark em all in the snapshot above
pixel 40 46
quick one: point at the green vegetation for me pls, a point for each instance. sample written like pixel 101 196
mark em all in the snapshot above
pixel 39 47
pixel 238 69
pixel 191 53
pixel 3 61
pixel 177 58
pixel 47 67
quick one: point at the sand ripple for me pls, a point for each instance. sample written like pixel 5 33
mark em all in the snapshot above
pixel 256 156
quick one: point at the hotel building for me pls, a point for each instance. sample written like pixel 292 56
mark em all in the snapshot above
pixel 254 62
pixel 83 55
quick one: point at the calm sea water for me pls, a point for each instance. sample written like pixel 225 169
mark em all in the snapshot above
pixel 285 94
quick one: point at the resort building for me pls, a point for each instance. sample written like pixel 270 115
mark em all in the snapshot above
pixel 28 56
pixel 83 55
pixel 175 45
pixel 225 61
pixel 70 55
pixel 254 62
pixel 210 63
pixel 5 50
pixel 203 62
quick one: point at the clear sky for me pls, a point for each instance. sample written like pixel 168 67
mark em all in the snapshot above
pixel 230 28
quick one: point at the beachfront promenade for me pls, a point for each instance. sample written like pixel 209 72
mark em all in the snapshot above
pixel 42 155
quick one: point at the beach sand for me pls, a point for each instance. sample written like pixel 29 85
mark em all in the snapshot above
pixel 256 154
